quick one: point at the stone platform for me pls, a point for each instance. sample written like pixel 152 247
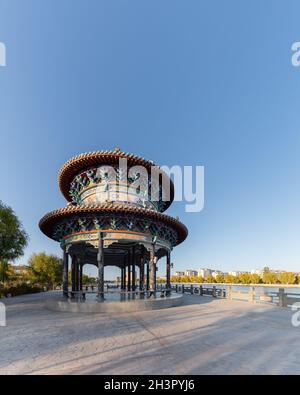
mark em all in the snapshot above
pixel 112 306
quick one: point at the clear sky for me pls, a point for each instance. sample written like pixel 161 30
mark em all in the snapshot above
pixel 198 82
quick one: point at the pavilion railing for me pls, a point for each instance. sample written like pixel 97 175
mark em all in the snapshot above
pixel 127 295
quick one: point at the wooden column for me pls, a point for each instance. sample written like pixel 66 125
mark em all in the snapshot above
pixel 148 276
pixel 133 268
pixel 121 285
pixel 80 274
pixel 152 269
pixel 65 273
pixel 73 278
pixel 142 273
pixel 168 272
pixel 76 274
pixel 123 275
pixel 100 261
pixel 124 278
pixel 129 272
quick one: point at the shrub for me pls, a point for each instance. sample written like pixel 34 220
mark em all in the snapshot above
pixel 21 289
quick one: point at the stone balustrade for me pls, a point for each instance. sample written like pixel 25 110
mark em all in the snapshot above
pixel 251 293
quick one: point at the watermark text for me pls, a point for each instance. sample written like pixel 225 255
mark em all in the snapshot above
pixel 2 314
pixel 144 186
pixel 2 55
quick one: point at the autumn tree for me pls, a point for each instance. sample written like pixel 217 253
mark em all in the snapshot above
pixel 230 279
pixel 219 278
pixel 270 277
pixel 287 278
pixel 255 279
pixel 210 279
pixel 46 269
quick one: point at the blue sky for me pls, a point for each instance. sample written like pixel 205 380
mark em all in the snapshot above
pixel 200 82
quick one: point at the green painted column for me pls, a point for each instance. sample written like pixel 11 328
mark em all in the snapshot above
pixel 133 268
pixel 129 272
pixel 152 269
pixel 100 262
pixel 148 276
pixel 73 279
pixel 168 272
pixel 142 273
pixel 65 273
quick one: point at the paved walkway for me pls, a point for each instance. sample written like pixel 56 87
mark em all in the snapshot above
pixel 204 336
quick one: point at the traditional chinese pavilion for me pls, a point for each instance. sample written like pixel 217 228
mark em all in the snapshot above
pixel 109 221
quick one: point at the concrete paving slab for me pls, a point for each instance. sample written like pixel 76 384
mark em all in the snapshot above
pixel 203 336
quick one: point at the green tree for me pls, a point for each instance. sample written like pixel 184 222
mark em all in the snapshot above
pixel 186 279
pixel 219 278
pixel 4 271
pixel 13 239
pixel 255 279
pixel 287 278
pixel 85 279
pixel 46 269
pixel 230 279
pixel 194 279
pixel 245 278
pixel 92 280
pixel 270 277
pixel 200 279
pixel 210 279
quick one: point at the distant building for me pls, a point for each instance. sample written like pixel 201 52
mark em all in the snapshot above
pixel 257 271
pixel 235 273
pixel 191 273
pixel 179 274
pixel 275 271
pixel 20 269
pixel 216 273
pixel 204 273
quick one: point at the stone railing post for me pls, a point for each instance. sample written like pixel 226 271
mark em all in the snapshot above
pixel 214 292
pixel 229 292
pixel 251 298
pixel 282 298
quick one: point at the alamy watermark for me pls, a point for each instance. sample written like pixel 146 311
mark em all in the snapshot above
pixel 295 320
pixel 296 54
pixel 147 185
pixel 2 55
pixel 2 314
